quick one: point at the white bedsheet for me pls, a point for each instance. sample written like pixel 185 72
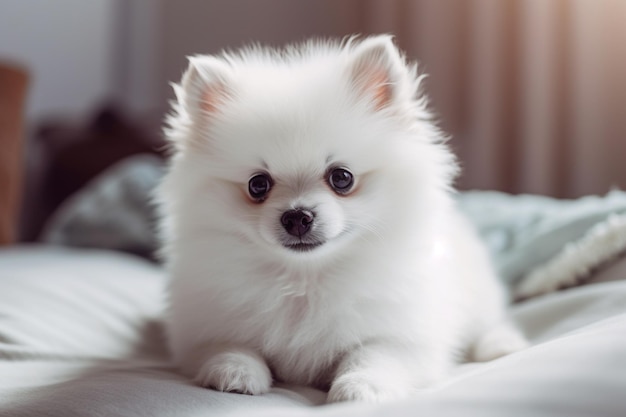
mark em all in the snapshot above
pixel 80 335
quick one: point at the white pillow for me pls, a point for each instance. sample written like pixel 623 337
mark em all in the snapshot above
pixel 57 302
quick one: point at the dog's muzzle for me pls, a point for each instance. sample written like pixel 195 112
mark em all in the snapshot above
pixel 298 223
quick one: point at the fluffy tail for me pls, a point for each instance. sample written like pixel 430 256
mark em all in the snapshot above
pixel 574 264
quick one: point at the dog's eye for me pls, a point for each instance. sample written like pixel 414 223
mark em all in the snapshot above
pixel 341 180
pixel 259 186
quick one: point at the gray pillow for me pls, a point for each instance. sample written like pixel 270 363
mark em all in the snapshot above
pixel 113 211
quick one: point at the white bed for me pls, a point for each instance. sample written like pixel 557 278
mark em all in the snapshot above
pixel 80 335
pixel 81 330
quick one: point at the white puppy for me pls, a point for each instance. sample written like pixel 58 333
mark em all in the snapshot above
pixel 309 228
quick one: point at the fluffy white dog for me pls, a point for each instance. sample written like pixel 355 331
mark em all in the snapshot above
pixel 309 228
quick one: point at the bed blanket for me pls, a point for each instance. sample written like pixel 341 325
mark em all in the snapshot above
pixel 81 335
pixel 81 330
pixel 525 231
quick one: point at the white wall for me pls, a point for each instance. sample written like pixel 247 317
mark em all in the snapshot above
pixel 68 47
pixel 138 60
pixel 83 52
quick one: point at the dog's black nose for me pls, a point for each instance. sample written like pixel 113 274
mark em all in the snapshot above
pixel 297 222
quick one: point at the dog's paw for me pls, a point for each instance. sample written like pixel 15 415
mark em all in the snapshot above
pixel 359 386
pixel 500 341
pixel 235 371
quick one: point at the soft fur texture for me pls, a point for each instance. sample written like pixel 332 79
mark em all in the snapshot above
pixel 397 288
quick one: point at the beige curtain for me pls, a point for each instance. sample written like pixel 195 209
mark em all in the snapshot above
pixel 533 91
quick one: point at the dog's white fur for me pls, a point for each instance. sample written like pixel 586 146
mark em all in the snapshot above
pixel 400 289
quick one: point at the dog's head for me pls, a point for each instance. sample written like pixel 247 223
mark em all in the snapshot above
pixel 305 151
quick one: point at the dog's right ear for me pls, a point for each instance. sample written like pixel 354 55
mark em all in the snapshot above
pixel 378 71
pixel 205 86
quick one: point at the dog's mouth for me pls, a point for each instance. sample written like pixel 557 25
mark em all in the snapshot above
pixel 310 243
pixel 303 246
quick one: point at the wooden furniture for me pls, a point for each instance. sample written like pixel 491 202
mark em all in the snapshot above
pixel 13 87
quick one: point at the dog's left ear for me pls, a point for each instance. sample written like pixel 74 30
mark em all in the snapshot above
pixel 378 70
pixel 205 88
pixel 205 85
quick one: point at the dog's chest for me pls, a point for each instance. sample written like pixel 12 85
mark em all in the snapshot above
pixel 302 341
pixel 304 328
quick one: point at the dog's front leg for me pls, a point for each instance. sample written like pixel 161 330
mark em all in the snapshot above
pixel 377 372
pixel 234 369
